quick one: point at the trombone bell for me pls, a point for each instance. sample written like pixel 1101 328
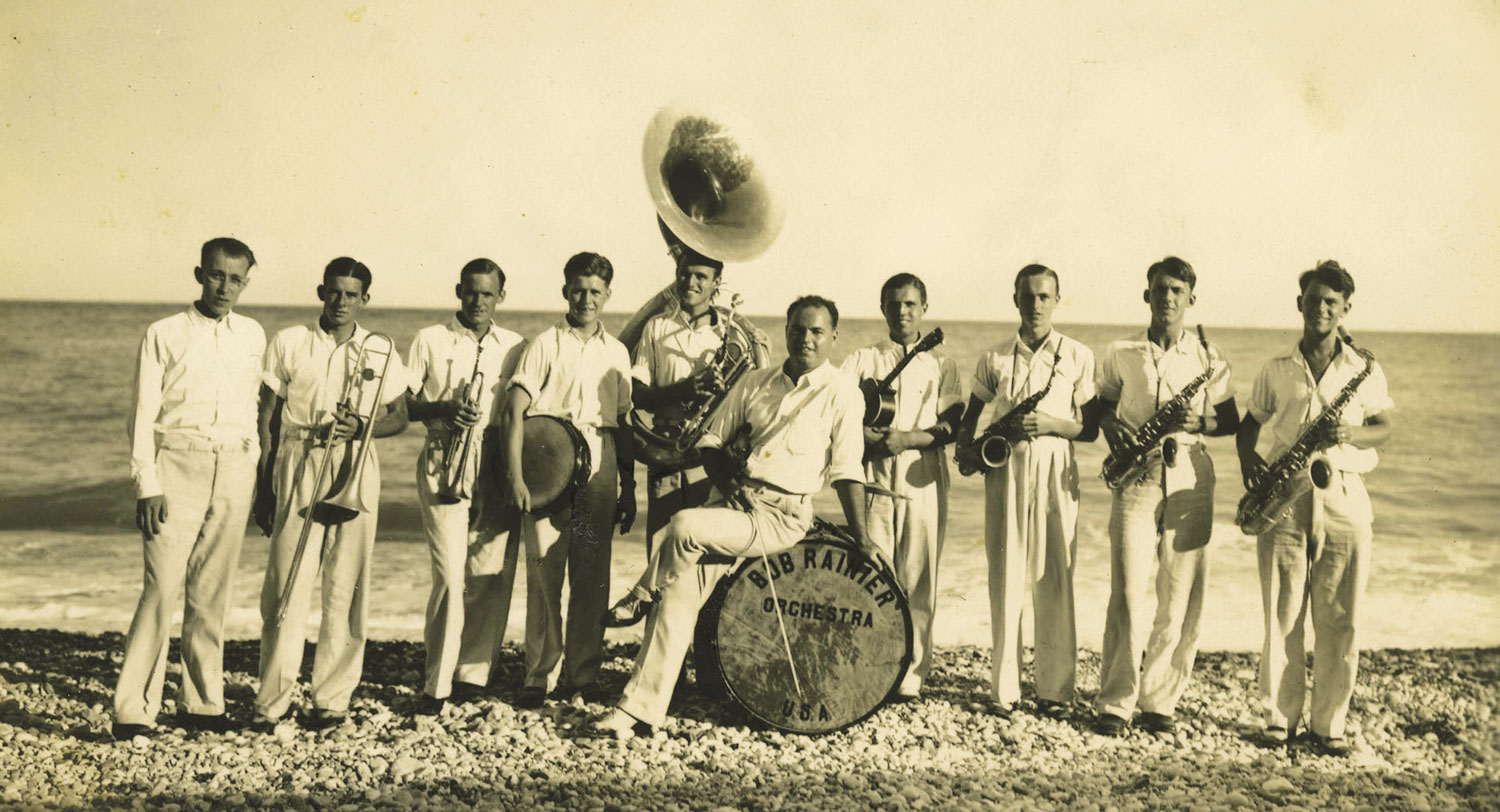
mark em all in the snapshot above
pixel 710 182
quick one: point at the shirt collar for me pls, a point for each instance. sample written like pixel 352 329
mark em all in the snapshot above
pixel 681 317
pixel 813 377
pixel 566 329
pixel 1048 346
pixel 458 328
pixel 323 335
pixel 196 316
pixel 1180 345
pixel 892 344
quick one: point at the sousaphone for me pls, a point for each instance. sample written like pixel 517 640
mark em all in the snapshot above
pixel 710 181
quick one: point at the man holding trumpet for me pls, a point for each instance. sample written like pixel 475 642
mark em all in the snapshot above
pixel 323 384
pixel 459 371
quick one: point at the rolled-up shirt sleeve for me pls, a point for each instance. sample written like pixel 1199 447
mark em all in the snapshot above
pixel 1109 382
pixel 728 418
pixel 274 372
pixel 1084 389
pixel 643 367
pixel 531 370
pixel 984 383
pixel 140 426
pixel 846 453
pixel 417 356
pixel 1263 395
pixel 950 390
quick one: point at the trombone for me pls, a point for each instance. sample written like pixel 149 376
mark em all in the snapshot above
pixel 344 500
pixel 454 484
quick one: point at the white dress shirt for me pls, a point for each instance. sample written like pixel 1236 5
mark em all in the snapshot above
pixel 671 349
pixel 1011 372
pixel 308 368
pixel 1286 397
pixel 195 382
pixel 585 381
pixel 442 360
pixel 926 387
pixel 803 434
pixel 1141 377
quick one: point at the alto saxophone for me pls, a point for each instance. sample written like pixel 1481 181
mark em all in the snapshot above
pixel 1126 465
pixel 1273 490
pixel 991 449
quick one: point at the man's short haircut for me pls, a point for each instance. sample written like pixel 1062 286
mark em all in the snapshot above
pixel 1035 269
pixel 899 281
pixel 687 256
pixel 1175 268
pixel 344 266
pixel 814 301
pixel 588 263
pixel 480 266
pixel 229 247
pixel 1330 273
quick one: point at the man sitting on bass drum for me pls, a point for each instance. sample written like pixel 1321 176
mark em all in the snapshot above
pixel 803 421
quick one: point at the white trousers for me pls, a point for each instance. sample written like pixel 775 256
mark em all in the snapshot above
pixel 572 543
pixel 473 568
pixel 1030 535
pixel 1319 558
pixel 342 552
pixel 682 583
pixel 668 492
pixel 1169 534
pixel 196 553
pixel 909 531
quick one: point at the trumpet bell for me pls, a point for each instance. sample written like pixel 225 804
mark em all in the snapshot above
pixel 710 179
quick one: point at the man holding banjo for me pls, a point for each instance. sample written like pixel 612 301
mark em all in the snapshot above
pixel 460 370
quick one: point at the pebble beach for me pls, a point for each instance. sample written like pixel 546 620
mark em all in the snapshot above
pixel 1424 727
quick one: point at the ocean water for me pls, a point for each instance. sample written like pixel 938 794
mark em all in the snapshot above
pixel 70 558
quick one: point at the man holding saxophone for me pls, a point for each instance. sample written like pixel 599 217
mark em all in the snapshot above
pixel 331 387
pixel 1042 386
pixel 1325 407
pixel 459 372
pixel 1155 393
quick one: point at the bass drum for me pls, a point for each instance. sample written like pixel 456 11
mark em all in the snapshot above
pixel 847 620
pixel 554 461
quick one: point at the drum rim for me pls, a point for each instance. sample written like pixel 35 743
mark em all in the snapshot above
pixel 580 472
pixel 830 534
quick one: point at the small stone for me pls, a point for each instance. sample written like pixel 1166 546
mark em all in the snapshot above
pixel 1278 785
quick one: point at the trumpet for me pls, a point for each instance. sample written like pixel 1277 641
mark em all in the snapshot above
pixel 454 483
pixel 344 500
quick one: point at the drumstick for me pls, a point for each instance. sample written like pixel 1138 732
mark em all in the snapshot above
pixel 786 642
pixel 879 490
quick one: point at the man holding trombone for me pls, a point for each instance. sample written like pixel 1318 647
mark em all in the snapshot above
pixel 459 372
pixel 331 387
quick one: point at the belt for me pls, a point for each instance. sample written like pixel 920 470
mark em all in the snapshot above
pixel 769 486
pixel 178 443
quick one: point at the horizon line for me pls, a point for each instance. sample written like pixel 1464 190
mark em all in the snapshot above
pixel 776 315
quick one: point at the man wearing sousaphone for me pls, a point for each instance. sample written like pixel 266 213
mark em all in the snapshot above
pixel 904 454
pixel 800 423
pixel 331 387
pixel 459 372
pixel 577 372
pixel 1160 392
pixel 1041 383
pixel 1325 408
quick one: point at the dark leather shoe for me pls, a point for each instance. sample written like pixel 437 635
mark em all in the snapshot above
pixel 465 692
pixel 429 705
pixel 1109 724
pixel 323 719
pixel 1337 746
pixel 628 612
pixel 592 694
pixel 207 722
pixel 126 732
pixel 1159 723
pixel 531 698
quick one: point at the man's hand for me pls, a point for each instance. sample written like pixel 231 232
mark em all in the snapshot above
pixel 345 424
pixel 264 510
pixel 1252 469
pixel 1333 435
pixel 1116 433
pixel 150 515
pixel 463 413
pixel 1188 421
pixel 707 382
pixel 520 497
pixel 1035 424
pixel 625 507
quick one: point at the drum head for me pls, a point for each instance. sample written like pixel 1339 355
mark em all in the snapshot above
pixel 847 621
pixel 554 461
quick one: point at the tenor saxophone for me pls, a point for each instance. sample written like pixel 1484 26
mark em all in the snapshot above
pixel 1273 490
pixel 1126 465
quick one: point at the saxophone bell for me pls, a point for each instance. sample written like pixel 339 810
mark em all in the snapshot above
pixel 1169 452
pixel 1321 472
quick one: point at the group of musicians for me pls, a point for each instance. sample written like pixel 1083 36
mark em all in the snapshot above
pixel 200 446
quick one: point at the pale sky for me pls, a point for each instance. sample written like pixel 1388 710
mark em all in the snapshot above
pixel 957 141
